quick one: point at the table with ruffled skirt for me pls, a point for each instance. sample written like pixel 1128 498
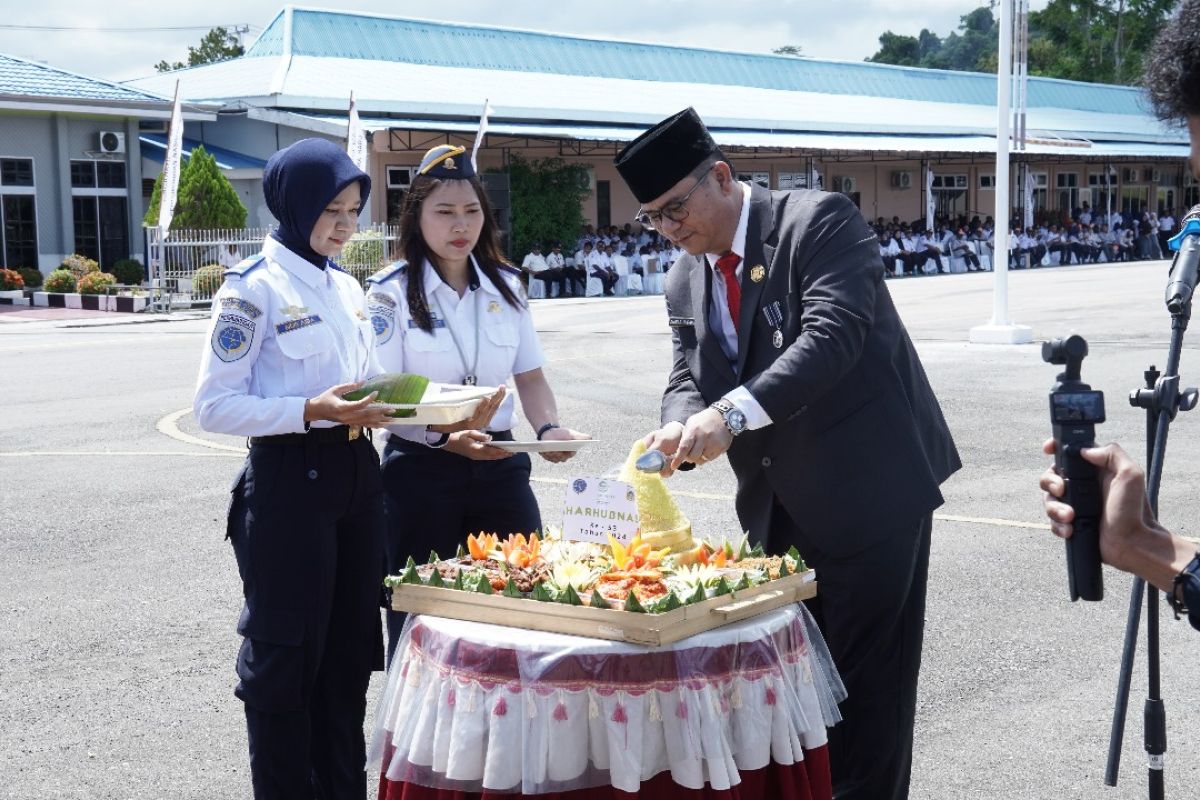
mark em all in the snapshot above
pixel 472 710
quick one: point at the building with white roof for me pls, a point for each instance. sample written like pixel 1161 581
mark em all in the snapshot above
pixel 869 130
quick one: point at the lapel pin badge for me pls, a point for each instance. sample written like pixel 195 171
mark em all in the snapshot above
pixel 493 307
pixel 777 339
pixel 758 273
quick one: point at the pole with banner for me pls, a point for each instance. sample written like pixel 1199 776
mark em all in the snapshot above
pixel 168 197
pixel 1028 199
pixel 356 148
pixel 930 203
pixel 1000 330
pixel 483 123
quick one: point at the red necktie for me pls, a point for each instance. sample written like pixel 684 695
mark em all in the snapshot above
pixel 727 265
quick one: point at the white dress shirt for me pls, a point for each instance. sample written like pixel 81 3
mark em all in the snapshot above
pixel 535 262
pixel 721 323
pixel 555 260
pixel 282 331
pixel 508 343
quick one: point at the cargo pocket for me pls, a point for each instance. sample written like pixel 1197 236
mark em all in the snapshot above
pixel 504 334
pixel 271 661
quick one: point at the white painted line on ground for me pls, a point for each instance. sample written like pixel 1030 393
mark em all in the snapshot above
pixel 192 454
pixel 169 426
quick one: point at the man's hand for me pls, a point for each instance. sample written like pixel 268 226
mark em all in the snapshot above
pixel 705 437
pixel 666 441
pixel 1128 530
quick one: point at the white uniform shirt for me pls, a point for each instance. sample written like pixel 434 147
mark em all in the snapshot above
pixel 508 343
pixel 534 262
pixel 282 331
pixel 227 259
pixel 555 260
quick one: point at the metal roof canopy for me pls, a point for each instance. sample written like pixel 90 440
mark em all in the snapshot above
pixel 777 141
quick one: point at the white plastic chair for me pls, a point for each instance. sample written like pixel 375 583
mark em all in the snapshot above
pixel 627 281
pixel 594 288
pixel 653 281
pixel 537 288
pixel 898 267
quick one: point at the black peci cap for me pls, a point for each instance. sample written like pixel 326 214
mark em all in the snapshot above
pixel 447 161
pixel 666 154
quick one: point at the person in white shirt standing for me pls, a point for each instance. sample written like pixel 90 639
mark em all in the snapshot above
pixel 452 311
pixel 1166 227
pixel 288 338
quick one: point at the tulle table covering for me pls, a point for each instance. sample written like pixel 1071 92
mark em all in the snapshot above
pixel 470 709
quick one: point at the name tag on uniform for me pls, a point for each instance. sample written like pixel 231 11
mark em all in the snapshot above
pixel 435 323
pixel 682 322
pixel 297 324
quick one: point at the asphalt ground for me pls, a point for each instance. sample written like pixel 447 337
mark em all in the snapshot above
pixel 118 595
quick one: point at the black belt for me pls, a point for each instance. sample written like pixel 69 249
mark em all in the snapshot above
pixel 336 435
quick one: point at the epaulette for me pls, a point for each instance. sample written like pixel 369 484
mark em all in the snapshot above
pixel 336 265
pixel 243 267
pixel 387 272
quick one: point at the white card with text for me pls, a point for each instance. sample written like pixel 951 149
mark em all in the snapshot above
pixel 597 507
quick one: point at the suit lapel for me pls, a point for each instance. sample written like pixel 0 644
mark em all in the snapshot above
pixel 701 300
pixel 758 259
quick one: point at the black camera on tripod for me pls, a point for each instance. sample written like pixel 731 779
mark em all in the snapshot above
pixel 1075 410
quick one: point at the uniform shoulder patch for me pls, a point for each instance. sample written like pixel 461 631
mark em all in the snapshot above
pixel 336 266
pixel 509 269
pixel 388 272
pixel 246 265
pixel 232 335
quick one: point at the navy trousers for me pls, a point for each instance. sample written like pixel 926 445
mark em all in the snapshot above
pixel 435 498
pixel 871 609
pixel 306 522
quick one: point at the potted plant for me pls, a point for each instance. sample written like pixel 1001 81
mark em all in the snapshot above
pixel 93 290
pixel 59 291
pixel 12 287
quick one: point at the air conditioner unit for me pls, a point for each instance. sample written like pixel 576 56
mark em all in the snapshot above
pixel 845 185
pixel 902 180
pixel 111 142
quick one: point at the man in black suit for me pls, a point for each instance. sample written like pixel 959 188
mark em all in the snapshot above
pixel 790 355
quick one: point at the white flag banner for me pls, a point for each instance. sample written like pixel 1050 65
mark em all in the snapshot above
pixel 483 123
pixel 356 138
pixel 1028 221
pixel 930 203
pixel 171 165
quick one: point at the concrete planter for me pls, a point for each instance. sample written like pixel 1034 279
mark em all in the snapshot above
pixel 93 302
pixel 14 297
pixel 57 300
pixel 129 304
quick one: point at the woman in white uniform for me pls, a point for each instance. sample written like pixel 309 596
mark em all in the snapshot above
pixel 289 335
pixel 453 310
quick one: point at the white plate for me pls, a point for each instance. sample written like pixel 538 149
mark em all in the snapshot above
pixel 443 404
pixel 544 447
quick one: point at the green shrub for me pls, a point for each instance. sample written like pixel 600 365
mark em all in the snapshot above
pixel 79 265
pixel 61 280
pixel 208 279
pixel 128 271
pixel 33 277
pixel 364 252
pixel 11 280
pixel 96 282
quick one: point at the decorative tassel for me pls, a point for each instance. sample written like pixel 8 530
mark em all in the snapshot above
pixel 593 707
pixel 451 698
pixel 808 676
pixel 501 707
pixel 736 699
pixel 724 707
pixel 655 711
pixel 560 711
pixel 530 706
pixel 681 709
pixel 414 674
pixel 471 699
pixel 619 714
pixel 770 696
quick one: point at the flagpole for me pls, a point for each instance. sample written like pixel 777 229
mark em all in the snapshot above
pixel 356 148
pixel 168 196
pixel 1000 330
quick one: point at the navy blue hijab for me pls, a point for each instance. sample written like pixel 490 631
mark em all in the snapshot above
pixel 299 181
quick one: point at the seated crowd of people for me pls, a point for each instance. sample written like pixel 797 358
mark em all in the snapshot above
pixel 592 255
pixel 914 249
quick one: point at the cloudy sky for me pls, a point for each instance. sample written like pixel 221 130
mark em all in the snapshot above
pixel 848 29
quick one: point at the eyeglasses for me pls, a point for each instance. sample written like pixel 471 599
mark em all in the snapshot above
pixel 676 210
